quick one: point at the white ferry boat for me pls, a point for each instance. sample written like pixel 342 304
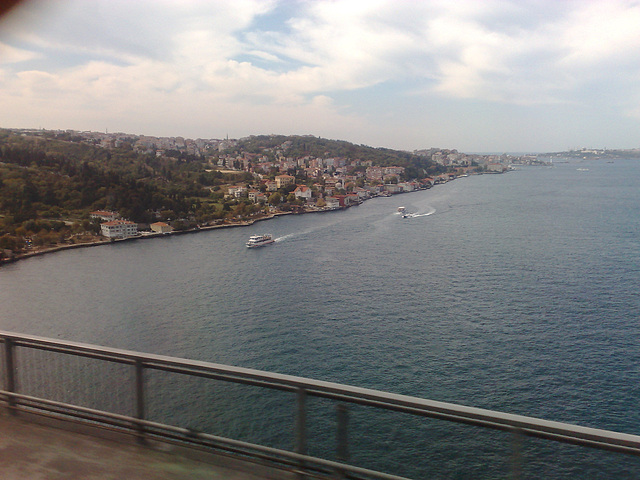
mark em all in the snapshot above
pixel 259 240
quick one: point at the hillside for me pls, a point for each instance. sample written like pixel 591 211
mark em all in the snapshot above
pixel 51 180
pixel 307 145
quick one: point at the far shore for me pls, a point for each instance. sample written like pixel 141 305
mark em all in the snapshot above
pixel 143 236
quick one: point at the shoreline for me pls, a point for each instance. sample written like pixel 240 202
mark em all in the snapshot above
pixel 146 236
pixel 59 248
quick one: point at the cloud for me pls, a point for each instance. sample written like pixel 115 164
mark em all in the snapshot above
pixel 9 54
pixel 601 33
pixel 342 62
pixel 337 45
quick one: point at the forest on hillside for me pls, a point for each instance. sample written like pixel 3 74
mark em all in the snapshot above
pixel 297 146
pixel 48 187
pixel 50 181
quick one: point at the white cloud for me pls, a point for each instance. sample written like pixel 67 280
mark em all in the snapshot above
pixel 601 33
pixel 198 61
pixel 9 54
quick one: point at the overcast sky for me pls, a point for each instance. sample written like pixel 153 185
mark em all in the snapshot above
pixel 478 76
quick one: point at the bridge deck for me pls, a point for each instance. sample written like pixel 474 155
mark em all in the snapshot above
pixel 31 449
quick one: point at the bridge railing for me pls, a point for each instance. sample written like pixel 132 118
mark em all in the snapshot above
pixel 115 388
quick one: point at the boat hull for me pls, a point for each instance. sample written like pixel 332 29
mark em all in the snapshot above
pixel 256 241
pixel 261 244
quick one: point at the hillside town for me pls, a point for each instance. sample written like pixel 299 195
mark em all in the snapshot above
pixel 338 182
pixel 64 187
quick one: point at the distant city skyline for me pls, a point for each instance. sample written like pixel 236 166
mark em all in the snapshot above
pixel 490 76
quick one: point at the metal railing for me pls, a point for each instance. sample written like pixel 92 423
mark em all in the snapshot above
pixel 26 361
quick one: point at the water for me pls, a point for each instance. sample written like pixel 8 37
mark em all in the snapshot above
pixel 515 292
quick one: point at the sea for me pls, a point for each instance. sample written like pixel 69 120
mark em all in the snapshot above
pixel 515 292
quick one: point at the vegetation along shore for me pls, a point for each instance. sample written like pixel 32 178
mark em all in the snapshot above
pixel 69 189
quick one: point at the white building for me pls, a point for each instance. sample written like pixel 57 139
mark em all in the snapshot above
pixel 104 215
pixel 119 229
pixel 332 202
pixel 302 191
pixel 237 191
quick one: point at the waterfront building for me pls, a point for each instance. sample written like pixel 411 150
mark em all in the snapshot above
pixel 161 227
pixel 393 188
pixel 332 202
pixel 119 229
pixel 495 167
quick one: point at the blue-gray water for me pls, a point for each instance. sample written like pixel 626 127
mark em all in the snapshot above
pixel 514 292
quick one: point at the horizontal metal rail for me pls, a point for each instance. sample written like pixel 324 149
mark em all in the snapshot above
pixel 160 430
pixel 519 424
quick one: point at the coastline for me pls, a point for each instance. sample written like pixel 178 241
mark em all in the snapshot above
pixel 59 248
pixel 244 223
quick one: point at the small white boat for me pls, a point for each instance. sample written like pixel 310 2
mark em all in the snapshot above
pixel 402 211
pixel 259 240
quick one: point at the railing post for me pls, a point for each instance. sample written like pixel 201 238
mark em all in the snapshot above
pixel 9 371
pixel 516 454
pixel 139 394
pixel 342 453
pixel 301 428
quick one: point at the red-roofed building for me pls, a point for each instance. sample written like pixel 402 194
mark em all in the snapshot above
pixel 302 191
pixel 119 229
pixel 284 180
pixel 271 185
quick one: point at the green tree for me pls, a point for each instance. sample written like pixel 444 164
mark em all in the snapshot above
pixel 275 198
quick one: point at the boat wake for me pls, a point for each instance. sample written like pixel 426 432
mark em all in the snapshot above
pixel 285 237
pixel 290 236
pixel 406 214
pixel 430 212
pixel 302 233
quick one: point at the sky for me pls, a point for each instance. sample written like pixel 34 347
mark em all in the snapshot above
pixel 472 75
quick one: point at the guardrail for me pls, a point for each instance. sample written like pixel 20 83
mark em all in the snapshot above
pixel 29 384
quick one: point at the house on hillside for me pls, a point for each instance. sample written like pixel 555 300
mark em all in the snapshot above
pixel 284 180
pixel 256 196
pixel 104 215
pixel 237 191
pixel 303 192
